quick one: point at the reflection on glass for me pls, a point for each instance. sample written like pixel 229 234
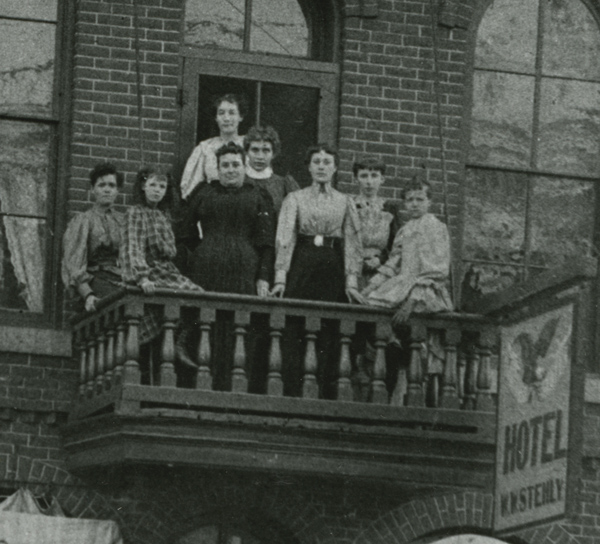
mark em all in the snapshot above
pixel 217 23
pixel 495 216
pixel 501 125
pixel 571 40
pixel 492 278
pixel 26 67
pixel 22 250
pixel 279 28
pixel 45 10
pixel 24 158
pixel 569 127
pixel 562 220
pixel 506 39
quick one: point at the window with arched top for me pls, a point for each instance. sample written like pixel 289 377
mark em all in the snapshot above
pixel 281 57
pixel 534 146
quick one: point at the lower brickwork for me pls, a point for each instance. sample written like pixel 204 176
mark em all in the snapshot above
pixel 160 505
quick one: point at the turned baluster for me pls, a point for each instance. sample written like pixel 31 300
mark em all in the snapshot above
pixel 110 357
pixel 484 379
pixel 344 385
pixel 415 396
pixel 120 353
pixel 449 397
pixel 168 378
pixel 131 368
pixel 274 381
pixel 100 359
pixel 239 379
pixel 379 394
pixel 310 387
pixel 91 363
pixel 82 362
pixel 471 372
pixel 204 377
pixel 461 372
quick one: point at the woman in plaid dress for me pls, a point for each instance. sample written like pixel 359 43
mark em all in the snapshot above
pixel 148 247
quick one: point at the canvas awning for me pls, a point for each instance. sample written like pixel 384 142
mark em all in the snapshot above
pixel 23 522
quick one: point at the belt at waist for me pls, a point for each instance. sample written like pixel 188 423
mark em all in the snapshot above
pixel 320 241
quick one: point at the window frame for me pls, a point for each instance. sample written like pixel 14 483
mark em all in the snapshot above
pixel 530 172
pixel 59 121
pixel 197 61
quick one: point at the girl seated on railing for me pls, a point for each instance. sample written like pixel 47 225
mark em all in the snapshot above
pixel 148 244
pixel 414 278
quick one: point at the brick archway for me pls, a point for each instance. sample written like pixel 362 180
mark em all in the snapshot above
pixel 419 518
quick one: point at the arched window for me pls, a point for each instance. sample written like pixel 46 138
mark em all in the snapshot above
pixel 534 147
pixel 281 60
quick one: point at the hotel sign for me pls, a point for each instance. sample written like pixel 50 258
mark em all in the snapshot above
pixel 539 390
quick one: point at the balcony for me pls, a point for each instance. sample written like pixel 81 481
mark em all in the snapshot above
pixel 436 426
pixel 433 426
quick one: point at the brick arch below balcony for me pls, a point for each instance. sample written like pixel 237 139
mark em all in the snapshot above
pixel 434 518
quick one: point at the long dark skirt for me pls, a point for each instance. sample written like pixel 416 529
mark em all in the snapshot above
pixel 316 273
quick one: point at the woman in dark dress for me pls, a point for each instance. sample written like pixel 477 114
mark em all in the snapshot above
pixel 229 230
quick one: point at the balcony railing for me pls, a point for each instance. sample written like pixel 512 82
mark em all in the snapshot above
pixel 108 347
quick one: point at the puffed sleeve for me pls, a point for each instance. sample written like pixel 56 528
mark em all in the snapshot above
pixel 285 239
pixel 264 236
pixel 434 252
pixel 193 173
pixel 352 244
pixel 75 255
pixel 185 225
pixel 132 252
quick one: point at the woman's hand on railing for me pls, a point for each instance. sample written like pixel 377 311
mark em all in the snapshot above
pixel 262 288
pixel 277 290
pixel 148 286
pixel 90 302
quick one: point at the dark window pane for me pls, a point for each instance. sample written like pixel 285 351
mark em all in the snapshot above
pixel 495 216
pixel 281 30
pixel 562 215
pixel 22 263
pixel 26 67
pixel 29 9
pixel 571 40
pixel 24 159
pixel 501 125
pixel 294 112
pixel 216 23
pixel 506 39
pixel 569 131
pixel 495 277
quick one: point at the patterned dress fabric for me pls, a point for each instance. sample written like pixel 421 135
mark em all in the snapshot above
pixel 379 223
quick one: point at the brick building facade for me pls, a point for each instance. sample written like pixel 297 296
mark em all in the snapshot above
pixel 396 79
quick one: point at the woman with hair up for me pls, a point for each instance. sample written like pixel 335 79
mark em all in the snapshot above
pixel 201 166
pixel 262 145
pixel 90 266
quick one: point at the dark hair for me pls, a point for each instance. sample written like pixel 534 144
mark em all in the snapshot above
pixel 238 100
pixel 368 163
pixel 169 202
pixel 106 169
pixel 330 150
pixel 232 149
pixel 263 134
pixel 417 183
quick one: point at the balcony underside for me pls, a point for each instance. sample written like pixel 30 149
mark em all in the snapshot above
pixel 138 424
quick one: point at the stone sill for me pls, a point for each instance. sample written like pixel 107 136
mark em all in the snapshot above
pixel 35 341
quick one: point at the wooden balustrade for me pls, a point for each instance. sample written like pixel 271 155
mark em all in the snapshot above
pixel 456 375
